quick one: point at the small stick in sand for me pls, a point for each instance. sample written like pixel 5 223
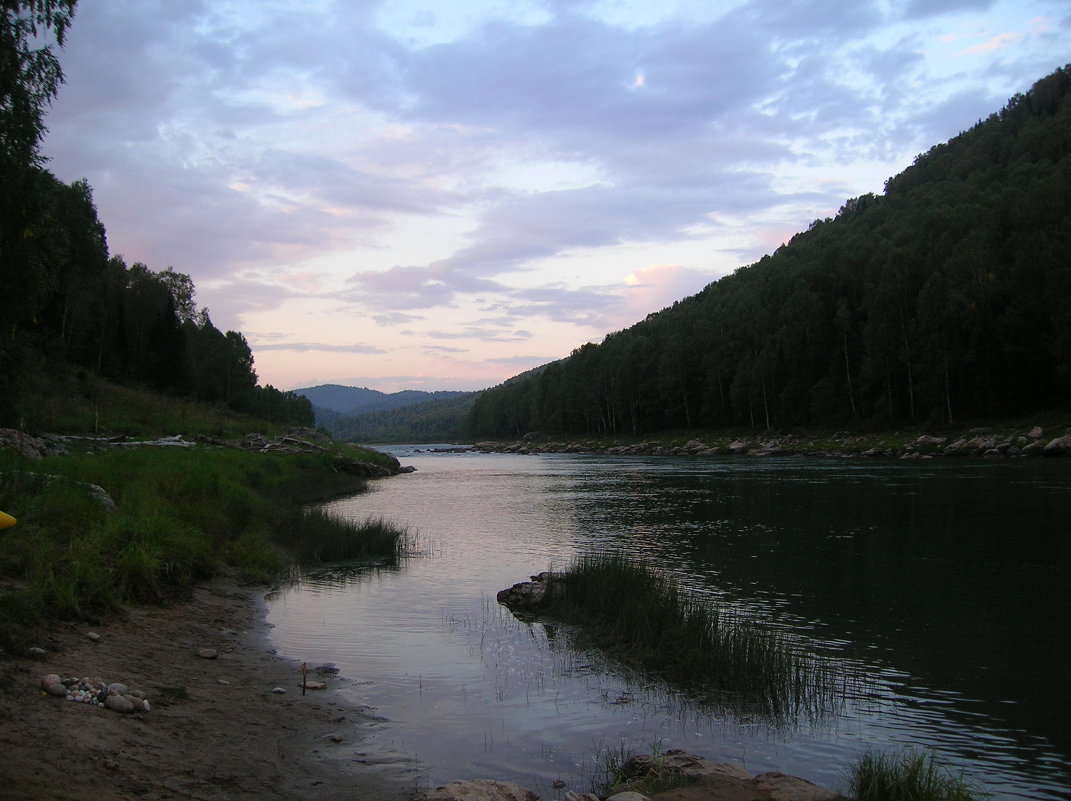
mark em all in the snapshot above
pixel 304 673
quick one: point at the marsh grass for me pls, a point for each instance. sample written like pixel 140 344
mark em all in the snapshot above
pixel 180 516
pixel 908 776
pixel 643 617
pixel 315 536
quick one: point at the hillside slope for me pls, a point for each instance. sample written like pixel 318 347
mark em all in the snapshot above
pixel 943 299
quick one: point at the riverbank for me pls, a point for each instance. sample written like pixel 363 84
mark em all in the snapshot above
pixel 216 730
pixel 1010 441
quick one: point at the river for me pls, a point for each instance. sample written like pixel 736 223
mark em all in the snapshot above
pixel 941 588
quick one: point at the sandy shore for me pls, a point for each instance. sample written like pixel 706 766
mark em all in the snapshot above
pixel 231 738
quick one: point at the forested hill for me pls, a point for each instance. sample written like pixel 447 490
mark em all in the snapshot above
pixel 72 309
pixel 947 298
pixel 360 400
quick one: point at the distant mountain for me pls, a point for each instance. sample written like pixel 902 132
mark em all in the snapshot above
pixel 349 401
pixel 435 420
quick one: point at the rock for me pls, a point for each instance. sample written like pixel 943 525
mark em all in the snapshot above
pixel 118 688
pixel 92 635
pixel 531 596
pixel 1061 446
pixel 779 787
pixel 119 703
pixel 573 796
pixel 481 790
pixel 1037 432
pixel 628 795
pixel 140 704
pixel 23 444
pixel 56 689
pixel 49 680
pixel 208 653
pixel 315 685
pixel 739 447
pixel 36 652
pixel 710 780
pixel 927 440
pixel 1033 449
pixel 278 690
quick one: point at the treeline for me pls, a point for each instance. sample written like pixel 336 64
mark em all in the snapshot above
pixel 944 299
pixel 68 300
pixel 437 420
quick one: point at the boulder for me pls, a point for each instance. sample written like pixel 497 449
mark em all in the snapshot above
pixel 23 444
pixel 739 447
pixel 704 780
pixel 531 596
pixel 481 790
pixel 926 440
pixel 779 787
pixel 119 703
pixel 1061 446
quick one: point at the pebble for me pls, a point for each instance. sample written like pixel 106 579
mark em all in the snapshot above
pixel 208 653
pixel 278 690
pixel 94 692
pixel 315 685
pixel 93 636
pixel 35 651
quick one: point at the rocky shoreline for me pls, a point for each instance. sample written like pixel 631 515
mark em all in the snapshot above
pixel 978 443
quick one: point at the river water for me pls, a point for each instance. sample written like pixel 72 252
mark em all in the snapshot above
pixel 939 590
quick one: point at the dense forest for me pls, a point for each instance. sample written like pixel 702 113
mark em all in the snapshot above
pixel 67 300
pixel 435 420
pixel 945 299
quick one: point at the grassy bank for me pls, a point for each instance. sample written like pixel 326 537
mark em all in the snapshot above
pixel 176 516
pixel 643 617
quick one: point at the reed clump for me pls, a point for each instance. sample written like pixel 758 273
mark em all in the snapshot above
pixel 177 516
pixel 643 616
pixel 908 776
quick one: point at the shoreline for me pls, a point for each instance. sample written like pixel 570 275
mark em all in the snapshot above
pixel 1003 442
pixel 229 737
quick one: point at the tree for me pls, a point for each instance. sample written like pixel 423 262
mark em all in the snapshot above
pixel 30 76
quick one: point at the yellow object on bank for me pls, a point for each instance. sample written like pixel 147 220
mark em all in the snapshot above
pixel 6 520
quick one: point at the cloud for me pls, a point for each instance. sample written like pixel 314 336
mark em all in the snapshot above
pixel 420 163
pixel 998 42
pixel 657 286
pixel 321 347
pixel 931 8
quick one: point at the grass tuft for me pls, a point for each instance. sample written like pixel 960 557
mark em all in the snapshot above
pixel 908 776
pixel 642 616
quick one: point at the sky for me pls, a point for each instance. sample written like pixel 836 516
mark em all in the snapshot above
pixel 440 194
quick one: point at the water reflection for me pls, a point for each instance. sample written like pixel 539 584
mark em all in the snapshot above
pixel 946 585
